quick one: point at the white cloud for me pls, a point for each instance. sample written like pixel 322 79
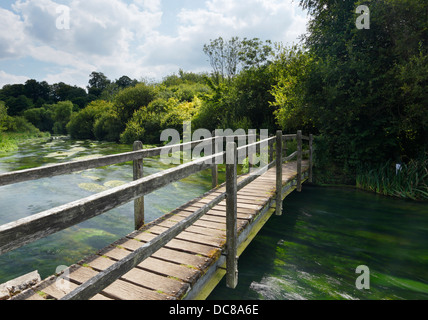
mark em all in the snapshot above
pixel 12 38
pixel 151 5
pixel 6 78
pixel 279 21
pixel 124 37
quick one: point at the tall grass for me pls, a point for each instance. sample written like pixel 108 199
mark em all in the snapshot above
pixel 411 182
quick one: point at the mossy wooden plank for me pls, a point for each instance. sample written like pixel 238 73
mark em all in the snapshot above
pixel 188 246
pixel 245 214
pixel 166 268
pixel 205 224
pixel 143 278
pixel 169 254
pixel 185 235
pixel 120 289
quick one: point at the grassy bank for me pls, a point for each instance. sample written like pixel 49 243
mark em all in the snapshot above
pixel 9 141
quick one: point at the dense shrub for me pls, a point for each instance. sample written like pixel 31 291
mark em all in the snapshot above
pixel 81 125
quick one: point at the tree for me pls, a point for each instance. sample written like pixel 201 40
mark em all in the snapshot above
pixel 97 83
pixel 290 70
pixel 184 77
pixel 228 58
pixel 3 116
pixel 37 92
pixel 81 125
pixel 108 126
pixel 223 57
pixel 255 53
pixel 11 90
pixel 64 92
pixel 17 105
pixel 131 99
pixel 62 112
pixel 125 82
pixel 41 118
pixel 361 84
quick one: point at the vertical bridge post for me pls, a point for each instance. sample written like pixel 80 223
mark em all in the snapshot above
pixel 138 203
pixel 299 160
pixel 279 173
pixel 231 216
pixel 214 168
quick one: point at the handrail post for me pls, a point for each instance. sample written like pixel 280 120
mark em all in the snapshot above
pixel 250 154
pixel 138 174
pixel 231 215
pixel 279 173
pixel 311 154
pixel 284 147
pixel 214 167
pixel 271 151
pixel 299 160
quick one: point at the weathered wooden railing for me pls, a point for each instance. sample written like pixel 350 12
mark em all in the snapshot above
pixel 24 231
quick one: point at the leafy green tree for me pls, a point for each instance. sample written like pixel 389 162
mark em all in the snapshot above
pixel 255 53
pixel 38 92
pixel 97 83
pixel 3 116
pixel 125 82
pixel 42 118
pixel 179 112
pixel 361 84
pixel 108 126
pixel 146 123
pixel 290 70
pixel 184 77
pixel 228 58
pixel 131 99
pixel 81 124
pixel 413 80
pixel 62 112
pixel 18 105
pixel 110 91
pixel 12 90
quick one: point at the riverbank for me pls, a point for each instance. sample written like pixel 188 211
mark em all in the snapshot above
pixel 9 141
pixel 409 181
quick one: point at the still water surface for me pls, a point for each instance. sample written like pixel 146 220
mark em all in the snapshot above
pixel 311 252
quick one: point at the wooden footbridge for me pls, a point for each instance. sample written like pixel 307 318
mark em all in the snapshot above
pixel 182 255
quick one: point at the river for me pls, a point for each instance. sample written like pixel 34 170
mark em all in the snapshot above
pixel 71 245
pixel 310 252
pixel 313 250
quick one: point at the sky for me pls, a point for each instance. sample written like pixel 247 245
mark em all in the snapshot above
pixel 66 40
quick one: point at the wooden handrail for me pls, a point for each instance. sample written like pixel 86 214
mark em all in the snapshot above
pixel 104 278
pixel 80 165
pixel 305 137
pixel 16 234
pixel 19 233
pixel 291 156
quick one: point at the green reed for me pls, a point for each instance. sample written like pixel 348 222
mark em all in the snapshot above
pixel 410 182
